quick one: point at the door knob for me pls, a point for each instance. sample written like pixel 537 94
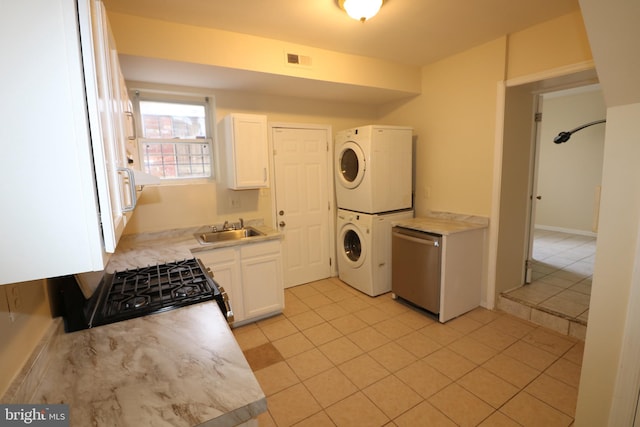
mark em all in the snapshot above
pixel 539 197
pixel 282 224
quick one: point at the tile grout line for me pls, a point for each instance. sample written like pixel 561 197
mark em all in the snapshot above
pixel 462 335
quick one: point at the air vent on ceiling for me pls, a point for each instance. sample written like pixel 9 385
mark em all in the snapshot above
pixel 296 59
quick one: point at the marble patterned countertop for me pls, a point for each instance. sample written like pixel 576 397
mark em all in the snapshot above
pixel 444 223
pixel 182 367
pixel 141 250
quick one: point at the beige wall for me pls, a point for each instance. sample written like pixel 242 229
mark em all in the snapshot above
pixel 24 318
pixel 178 206
pixel 570 174
pixel 454 120
pixel 457 128
pixel 556 43
pixel 198 45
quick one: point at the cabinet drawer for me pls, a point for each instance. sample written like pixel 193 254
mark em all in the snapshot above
pixel 258 249
pixel 216 256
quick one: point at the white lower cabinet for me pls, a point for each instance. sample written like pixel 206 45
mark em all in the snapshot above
pixel 225 266
pixel 252 276
pixel 262 283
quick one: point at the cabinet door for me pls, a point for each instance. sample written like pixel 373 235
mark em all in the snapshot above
pixel 247 151
pixel 101 78
pixel 225 266
pixel 49 224
pixel 263 288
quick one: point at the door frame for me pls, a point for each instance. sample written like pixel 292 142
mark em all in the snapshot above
pixel 533 188
pixel 330 182
pixel 556 79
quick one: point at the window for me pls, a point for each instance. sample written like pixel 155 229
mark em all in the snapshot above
pixel 175 141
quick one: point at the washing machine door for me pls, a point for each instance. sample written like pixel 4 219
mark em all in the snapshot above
pixel 350 165
pixel 352 246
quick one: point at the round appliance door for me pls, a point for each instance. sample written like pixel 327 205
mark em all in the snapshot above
pixel 353 248
pixel 350 165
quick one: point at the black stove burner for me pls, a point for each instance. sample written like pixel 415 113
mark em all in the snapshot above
pixel 185 291
pixel 133 293
pixel 135 302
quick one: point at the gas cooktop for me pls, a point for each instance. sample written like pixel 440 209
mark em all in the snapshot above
pixel 135 293
pixel 142 291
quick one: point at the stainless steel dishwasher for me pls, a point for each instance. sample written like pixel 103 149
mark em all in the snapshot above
pixel 415 267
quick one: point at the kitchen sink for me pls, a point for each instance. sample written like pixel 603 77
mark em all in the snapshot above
pixel 226 235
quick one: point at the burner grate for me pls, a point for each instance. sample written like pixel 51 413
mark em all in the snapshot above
pixel 134 293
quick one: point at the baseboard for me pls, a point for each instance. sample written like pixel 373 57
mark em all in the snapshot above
pixel 566 230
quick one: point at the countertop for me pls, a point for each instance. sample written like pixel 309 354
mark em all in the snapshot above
pixel 141 250
pixel 177 368
pixel 444 223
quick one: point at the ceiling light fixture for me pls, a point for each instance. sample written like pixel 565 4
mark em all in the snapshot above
pixel 361 10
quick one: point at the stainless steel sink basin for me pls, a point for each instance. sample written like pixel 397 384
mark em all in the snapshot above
pixel 226 235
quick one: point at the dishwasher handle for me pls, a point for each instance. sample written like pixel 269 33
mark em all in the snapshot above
pixel 418 240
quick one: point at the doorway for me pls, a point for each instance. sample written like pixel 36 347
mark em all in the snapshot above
pixel 517 201
pixel 565 204
pixel 303 190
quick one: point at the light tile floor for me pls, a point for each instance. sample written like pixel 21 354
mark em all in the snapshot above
pixel 337 357
pixel 562 274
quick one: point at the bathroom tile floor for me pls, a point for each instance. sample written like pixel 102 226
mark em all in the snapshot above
pixel 562 272
pixel 337 357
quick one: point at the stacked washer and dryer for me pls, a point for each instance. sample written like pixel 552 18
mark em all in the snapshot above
pixel 373 189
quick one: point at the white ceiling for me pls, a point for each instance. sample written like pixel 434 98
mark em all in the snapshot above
pixel 415 32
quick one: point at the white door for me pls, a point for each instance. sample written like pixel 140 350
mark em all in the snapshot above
pixel 302 183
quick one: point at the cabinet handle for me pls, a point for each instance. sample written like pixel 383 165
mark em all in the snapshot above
pixel 133 126
pixel 132 190
pixel 418 240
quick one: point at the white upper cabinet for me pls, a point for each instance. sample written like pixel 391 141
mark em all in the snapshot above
pixel 64 186
pixel 247 151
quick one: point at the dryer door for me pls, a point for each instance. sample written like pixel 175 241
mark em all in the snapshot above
pixel 353 248
pixel 350 165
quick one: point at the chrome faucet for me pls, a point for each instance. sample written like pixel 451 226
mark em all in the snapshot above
pixel 225 226
pixel 241 223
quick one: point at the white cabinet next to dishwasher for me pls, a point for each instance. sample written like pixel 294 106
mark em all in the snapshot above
pixel 252 276
pixel 61 168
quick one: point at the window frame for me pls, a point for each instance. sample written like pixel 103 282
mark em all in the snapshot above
pixel 210 136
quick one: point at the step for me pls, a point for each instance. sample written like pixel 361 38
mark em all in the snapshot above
pixel 561 323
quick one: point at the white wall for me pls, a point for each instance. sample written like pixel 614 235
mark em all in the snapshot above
pixel 570 174
pixel 613 32
pixel 616 260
